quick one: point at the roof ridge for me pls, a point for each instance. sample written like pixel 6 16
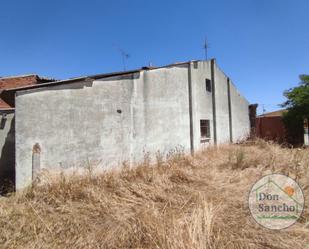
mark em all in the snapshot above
pixel 18 76
pixel 98 76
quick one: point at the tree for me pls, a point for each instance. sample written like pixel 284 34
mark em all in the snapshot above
pixel 297 104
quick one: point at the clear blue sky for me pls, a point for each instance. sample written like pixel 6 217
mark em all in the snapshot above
pixel 263 45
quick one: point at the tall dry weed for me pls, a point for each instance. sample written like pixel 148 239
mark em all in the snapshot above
pixel 180 202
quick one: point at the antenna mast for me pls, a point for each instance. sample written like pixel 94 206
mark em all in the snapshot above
pixel 264 110
pixel 206 47
pixel 124 56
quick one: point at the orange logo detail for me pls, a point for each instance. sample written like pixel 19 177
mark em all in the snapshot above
pixel 289 190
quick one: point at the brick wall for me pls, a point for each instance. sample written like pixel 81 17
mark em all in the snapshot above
pixel 271 128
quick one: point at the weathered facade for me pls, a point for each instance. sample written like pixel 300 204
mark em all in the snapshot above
pixel 7 149
pixel 7 124
pixel 119 117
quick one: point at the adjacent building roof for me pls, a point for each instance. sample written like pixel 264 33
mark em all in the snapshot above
pixel 13 82
pixel 278 113
pixel 22 80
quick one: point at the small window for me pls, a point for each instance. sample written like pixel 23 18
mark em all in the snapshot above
pixel 208 85
pixel 205 128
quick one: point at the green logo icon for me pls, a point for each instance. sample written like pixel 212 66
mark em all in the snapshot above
pixel 276 201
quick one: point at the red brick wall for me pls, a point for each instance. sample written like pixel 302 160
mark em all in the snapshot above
pixel 270 128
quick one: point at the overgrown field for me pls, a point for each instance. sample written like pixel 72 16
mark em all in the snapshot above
pixel 181 202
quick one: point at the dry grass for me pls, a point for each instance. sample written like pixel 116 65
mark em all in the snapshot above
pixel 181 202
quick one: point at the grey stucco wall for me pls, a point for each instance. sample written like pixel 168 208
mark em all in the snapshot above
pixel 240 115
pixel 105 122
pixel 165 115
pixel 202 101
pixel 7 148
pixel 203 106
pixel 74 125
pixel 222 111
pixel 116 119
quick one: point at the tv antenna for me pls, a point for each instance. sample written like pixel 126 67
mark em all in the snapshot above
pixel 124 56
pixel 206 47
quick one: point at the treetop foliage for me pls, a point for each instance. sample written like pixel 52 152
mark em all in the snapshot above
pixel 298 97
pixel 297 104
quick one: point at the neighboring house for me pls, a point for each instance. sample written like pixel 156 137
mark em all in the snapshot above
pixel 15 82
pixel 117 117
pixel 270 126
pixel 7 123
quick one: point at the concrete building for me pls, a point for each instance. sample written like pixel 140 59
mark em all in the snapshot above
pixel 7 123
pixel 116 117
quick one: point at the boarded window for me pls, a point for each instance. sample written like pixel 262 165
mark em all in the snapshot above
pixel 208 85
pixel 205 128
